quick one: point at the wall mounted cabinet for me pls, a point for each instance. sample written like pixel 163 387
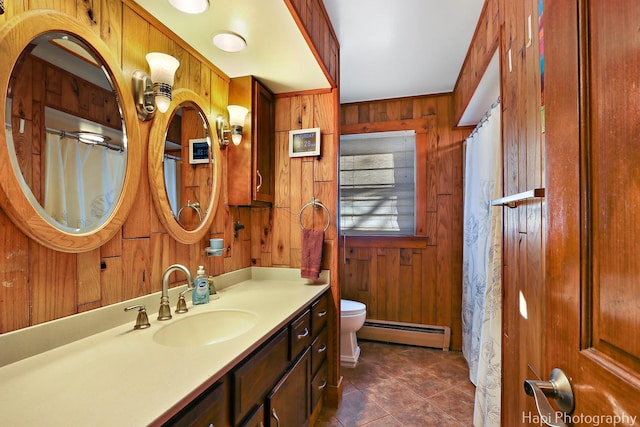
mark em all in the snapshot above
pixel 251 164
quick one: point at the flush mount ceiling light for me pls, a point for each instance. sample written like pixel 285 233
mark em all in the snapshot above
pixel 229 42
pixel 190 6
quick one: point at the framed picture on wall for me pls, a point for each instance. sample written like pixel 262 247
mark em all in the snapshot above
pixel 198 151
pixel 304 142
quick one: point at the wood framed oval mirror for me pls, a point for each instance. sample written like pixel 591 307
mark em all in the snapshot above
pixel 62 88
pixel 185 167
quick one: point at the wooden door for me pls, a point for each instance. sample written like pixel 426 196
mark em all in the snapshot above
pixel 592 140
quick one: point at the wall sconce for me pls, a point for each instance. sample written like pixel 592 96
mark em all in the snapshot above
pixel 237 115
pixel 154 91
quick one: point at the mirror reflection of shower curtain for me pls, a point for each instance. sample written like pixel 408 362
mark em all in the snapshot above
pixel 481 269
pixel 75 195
pixel 172 175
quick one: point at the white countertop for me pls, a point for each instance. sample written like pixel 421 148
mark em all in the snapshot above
pixel 122 377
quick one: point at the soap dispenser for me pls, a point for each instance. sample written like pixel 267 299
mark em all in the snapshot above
pixel 200 294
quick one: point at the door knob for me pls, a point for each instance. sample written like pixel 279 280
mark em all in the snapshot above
pixel 559 389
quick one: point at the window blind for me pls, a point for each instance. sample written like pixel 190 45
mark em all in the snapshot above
pixel 377 183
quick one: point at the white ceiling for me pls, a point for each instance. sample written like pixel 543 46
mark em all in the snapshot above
pixel 388 49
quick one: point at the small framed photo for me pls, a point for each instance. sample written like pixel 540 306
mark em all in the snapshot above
pixel 304 142
pixel 199 151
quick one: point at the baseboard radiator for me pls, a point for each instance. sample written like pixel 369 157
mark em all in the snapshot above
pixel 406 333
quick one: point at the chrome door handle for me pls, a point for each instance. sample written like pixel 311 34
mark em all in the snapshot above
pixel 559 389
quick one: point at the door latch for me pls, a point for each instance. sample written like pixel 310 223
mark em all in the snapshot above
pixel 559 389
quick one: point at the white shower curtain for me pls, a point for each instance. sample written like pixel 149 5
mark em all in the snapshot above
pixel 171 171
pixel 82 182
pixel 482 268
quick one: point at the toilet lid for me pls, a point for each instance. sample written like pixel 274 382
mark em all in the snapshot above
pixel 351 307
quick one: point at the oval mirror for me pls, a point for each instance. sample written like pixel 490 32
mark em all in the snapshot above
pixel 69 167
pixel 184 167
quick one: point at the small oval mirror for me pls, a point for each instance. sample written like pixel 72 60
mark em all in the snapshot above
pixel 69 121
pixel 184 167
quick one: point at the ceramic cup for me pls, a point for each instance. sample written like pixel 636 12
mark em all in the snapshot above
pixel 216 243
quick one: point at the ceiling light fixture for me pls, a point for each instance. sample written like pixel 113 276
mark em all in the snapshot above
pixel 190 6
pixel 229 42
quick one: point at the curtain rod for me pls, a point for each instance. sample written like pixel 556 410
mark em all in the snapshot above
pixel 64 133
pixel 484 118
pixel 172 157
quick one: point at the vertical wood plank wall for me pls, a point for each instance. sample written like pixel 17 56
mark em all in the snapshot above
pixel 413 279
pixel 523 243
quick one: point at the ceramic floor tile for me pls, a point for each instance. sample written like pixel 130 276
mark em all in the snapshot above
pixel 424 414
pixel 357 409
pixel 392 395
pixel 403 386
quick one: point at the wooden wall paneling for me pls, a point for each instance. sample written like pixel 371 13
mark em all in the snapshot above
pixel 89 290
pixel 422 184
pixel 407 285
pixel 280 252
pixel 429 286
pixel 282 169
pixel 135 256
pixel 14 273
pixel 260 234
pixel 445 148
pixel 112 280
pixel 483 45
pixel 426 175
pixel 53 283
pixel 444 262
pixel 110 26
pixel 137 33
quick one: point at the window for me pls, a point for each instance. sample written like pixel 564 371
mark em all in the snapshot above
pixel 377 183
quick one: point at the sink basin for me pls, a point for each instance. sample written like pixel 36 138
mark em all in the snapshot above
pixel 205 328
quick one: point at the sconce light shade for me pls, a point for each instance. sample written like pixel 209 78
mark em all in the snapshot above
pixel 190 6
pixel 237 114
pixel 163 68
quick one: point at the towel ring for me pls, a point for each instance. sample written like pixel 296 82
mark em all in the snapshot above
pixel 316 203
pixel 195 206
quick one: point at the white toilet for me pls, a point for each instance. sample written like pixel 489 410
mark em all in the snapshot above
pixel 352 316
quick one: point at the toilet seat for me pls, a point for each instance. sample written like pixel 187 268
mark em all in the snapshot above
pixel 351 308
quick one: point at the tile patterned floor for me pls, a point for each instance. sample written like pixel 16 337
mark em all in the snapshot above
pixel 396 385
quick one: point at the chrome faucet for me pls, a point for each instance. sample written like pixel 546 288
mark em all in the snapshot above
pixel 165 310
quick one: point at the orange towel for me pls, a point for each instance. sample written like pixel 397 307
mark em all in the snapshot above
pixel 312 241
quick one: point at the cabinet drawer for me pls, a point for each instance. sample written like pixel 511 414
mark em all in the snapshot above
pixel 210 408
pixel 319 314
pixel 300 334
pixel 318 384
pixel 256 419
pixel 319 351
pixel 254 378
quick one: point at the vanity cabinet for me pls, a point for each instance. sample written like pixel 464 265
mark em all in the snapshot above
pixel 279 384
pixel 210 409
pixel 288 403
pixel 251 164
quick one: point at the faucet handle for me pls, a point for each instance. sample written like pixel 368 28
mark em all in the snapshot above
pixel 181 306
pixel 142 321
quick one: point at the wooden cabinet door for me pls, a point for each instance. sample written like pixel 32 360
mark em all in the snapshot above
pixel 209 409
pixel 288 403
pixel 592 68
pixel 250 175
pixel 263 144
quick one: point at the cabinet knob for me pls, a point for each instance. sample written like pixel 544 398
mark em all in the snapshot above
pixel 322 313
pixel 322 348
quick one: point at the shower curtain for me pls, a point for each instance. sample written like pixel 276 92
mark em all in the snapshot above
pixel 482 267
pixel 82 182
pixel 171 174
